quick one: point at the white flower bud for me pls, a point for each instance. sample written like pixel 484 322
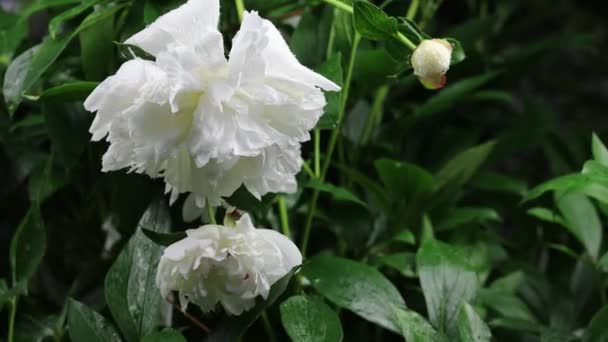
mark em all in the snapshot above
pixel 431 60
pixel 229 265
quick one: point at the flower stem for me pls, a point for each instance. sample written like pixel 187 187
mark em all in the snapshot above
pixel 374 114
pixel 317 143
pixel 210 212
pixel 240 8
pixel 284 216
pixel 341 5
pixel 308 170
pixel 411 11
pixel 11 319
pixel 332 143
pixel 405 40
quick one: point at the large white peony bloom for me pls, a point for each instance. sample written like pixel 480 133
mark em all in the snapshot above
pixel 205 123
pixel 229 265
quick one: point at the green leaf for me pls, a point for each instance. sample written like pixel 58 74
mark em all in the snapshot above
pixel 86 325
pixel 404 263
pixel 404 180
pixel 581 220
pixel 327 275
pixel 580 183
pixel 338 193
pixel 151 12
pixel 163 239
pixel 309 40
pixel 458 54
pixel 73 91
pixel 603 263
pixel 309 319
pixel 26 69
pixel 28 246
pixel 471 327
pixel 130 289
pixel 447 279
pixel 489 181
pixel 97 49
pixel 332 70
pixel 452 95
pixel 56 23
pixel 461 216
pixel 506 304
pixel 460 169
pixel 600 153
pixel 67 125
pixel 597 330
pixel 232 328
pixel 372 23
pixel 547 215
pixel 415 328
pixel 167 335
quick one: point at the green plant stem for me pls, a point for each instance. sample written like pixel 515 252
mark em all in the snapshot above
pixel 284 216
pixel 411 11
pixel 341 5
pixel 268 328
pixel 308 170
pixel 240 9
pixel 332 143
pixel 210 212
pixel 11 319
pixel 405 40
pixel 317 144
pixel 375 112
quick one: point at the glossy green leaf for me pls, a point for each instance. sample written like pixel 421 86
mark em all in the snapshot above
pixel 73 91
pixel 579 183
pixel 26 69
pixel 309 319
pixel 600 152
pixel 56 23
pixel 461 168
pixel 415 328
pixel 332 69
pixel 404 180
pixel 458 54
pixel 130 288
pixel 447 279
pixel 597 330
pixel 582 220
pixel 372 23
pixel 404 262
pixel 462 216
pixel 452 94
pixel 546 215
pixel 232 328
pixel 167 335
pixel 471 327
pixel 338 193
pixel 28 246
pixel 163 239
pixel 344 289
pixel 86 325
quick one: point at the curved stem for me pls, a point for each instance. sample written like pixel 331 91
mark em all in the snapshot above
pixel 411 11
pixel 405 40
pixel 332 143
pixel 317 155
pixel 11 319
pixel 284 216
pixel 240 8
pixel 210 212
pixel 340 5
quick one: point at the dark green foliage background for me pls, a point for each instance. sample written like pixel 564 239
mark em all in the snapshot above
pixel 411 164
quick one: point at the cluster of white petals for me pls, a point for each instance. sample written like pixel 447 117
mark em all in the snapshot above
pixel 229 265
pixel 205 123
pixel 431 61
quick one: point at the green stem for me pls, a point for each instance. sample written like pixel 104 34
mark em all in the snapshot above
pixel 340 5
pixel 308 170
pixel 240 8
pixel 411 11
pixel 317 155
pixel 11 319
pixel 405 40
pixel 268 328
pixel 332 143
pixel 375 111
pixel 210 212
pixel 284 216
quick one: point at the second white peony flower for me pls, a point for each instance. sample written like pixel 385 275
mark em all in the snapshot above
pixel 205 123
pixel 226 265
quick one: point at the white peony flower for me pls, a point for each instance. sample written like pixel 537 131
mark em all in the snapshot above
pixel 229 265
pixel 206 123
pixel 431 61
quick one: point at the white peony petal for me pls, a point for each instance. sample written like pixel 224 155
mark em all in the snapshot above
pixel 186 25
pixel 290 252
pixel 280 61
